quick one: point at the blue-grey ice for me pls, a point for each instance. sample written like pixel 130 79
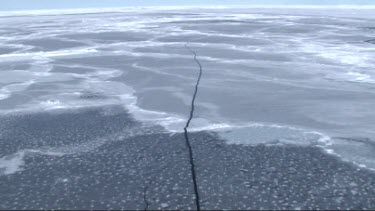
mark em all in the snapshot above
pixel 93 105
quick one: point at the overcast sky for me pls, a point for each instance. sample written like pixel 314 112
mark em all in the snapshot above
pixel 63 4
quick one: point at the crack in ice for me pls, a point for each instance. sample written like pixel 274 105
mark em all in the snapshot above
pixel 188 144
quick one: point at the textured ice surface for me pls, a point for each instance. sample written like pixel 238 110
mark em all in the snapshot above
pixel 88 92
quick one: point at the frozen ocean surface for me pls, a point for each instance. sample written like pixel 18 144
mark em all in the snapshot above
pixel 85 95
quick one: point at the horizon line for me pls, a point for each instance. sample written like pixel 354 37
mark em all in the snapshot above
pixel 123 9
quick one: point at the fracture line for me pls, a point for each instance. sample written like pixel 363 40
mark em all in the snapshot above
pixel 188 144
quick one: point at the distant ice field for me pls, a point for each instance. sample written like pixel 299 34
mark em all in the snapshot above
pixel 270 76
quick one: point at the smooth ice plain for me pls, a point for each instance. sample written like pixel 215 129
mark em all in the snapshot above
pixel 93 105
